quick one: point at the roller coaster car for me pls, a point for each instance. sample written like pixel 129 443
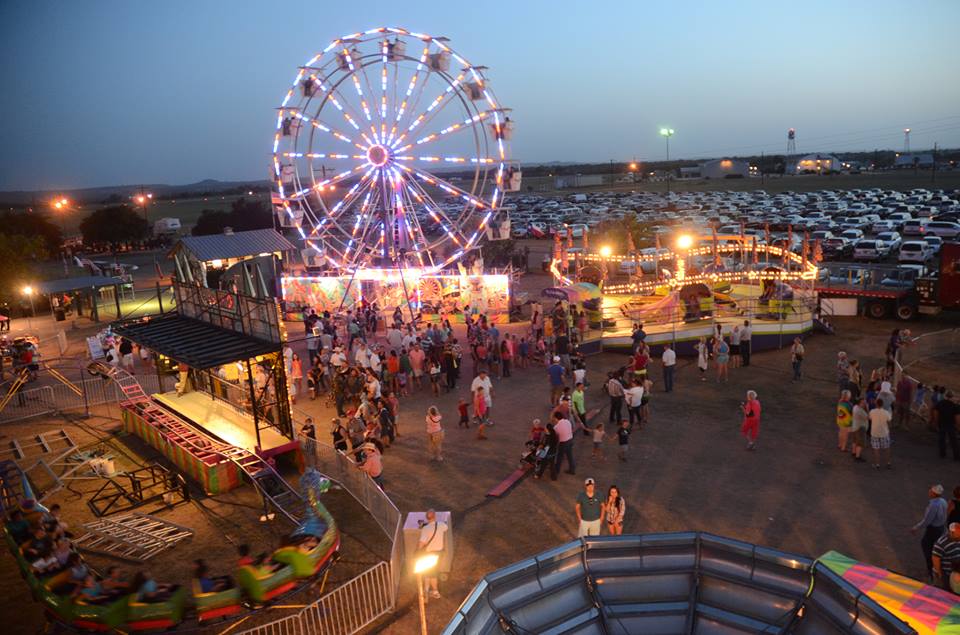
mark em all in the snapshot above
pixel 54 595
pixel 262 585
pixel 216 604
pixel 143 616
pixel 105 616
pixel 306 563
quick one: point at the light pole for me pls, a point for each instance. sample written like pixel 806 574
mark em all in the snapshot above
pixel 422 565
pixel 666 133
pixel 28 291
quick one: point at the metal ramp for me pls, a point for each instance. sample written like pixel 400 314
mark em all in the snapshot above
pixel 135 537
pixel 127 383
pixel 275 490
pixel 41 446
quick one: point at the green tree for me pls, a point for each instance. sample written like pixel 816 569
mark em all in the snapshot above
pixel 19 255
pixel 244 215
pixel 114 225
pixel 31 224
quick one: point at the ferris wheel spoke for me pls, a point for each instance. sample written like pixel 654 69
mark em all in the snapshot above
pixel 337 211
pixel 469 123
pixel 444 185
pixel 436 106
pixel 343 105
pixel 319 125
pixel 319 187
pixel 424 246
pixel 436 212
pixel 411 99
pixel 447 159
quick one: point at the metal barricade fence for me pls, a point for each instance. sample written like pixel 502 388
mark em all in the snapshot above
pixel 59 397
pixel 359 602
pixel 915 351
pixel 349 608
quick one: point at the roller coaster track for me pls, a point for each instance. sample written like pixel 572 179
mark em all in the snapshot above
pixel 276 492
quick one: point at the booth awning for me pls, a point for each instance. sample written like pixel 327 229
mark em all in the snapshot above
pixel 197 344
pixel 66 285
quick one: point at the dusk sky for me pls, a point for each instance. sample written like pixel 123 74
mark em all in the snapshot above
pixel 107 93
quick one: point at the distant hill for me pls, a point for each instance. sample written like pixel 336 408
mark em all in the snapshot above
pixel 123 192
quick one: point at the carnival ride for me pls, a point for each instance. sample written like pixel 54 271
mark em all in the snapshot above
pixel 304 560
pixel 691 582
pixel 391 159
pixel 700 282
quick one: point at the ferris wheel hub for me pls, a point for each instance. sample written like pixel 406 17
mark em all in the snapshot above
pixel 378 155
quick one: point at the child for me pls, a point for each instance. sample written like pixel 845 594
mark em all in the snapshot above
pixel 598 436
pixel 623 439
pixel 703 355
pixel 523 353
pixel 920 403
pixel 464 415
pixel 480 412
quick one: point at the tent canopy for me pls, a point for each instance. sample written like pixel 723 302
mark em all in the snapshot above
pixel 82 283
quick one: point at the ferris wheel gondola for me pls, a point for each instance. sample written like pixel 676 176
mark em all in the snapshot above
pixel 391 150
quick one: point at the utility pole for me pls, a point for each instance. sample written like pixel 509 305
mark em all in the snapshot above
pixel 762 171
pixel 933 170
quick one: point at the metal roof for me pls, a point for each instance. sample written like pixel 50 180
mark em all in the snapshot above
pixel 235 245
pixel 195 343
pixel 65 285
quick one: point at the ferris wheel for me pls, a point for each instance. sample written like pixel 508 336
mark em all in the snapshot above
pixel 390 151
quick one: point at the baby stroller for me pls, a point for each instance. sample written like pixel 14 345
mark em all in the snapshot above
pixel 539 456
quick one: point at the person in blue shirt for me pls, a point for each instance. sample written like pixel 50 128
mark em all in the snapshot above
pixel 638 336
pixel 557 373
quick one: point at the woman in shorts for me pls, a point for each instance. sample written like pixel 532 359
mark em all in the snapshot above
pixel 615 508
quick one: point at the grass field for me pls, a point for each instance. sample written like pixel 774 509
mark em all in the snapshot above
pixel 187 210
pixel 904 180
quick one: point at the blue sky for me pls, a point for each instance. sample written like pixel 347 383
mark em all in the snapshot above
pixel 101 92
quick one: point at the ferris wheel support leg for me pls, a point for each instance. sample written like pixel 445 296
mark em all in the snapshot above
pixel 346 292
pixel 405 293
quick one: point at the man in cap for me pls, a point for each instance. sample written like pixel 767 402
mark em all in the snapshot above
pixel 557 373
pixel 589 510
pixel 934 518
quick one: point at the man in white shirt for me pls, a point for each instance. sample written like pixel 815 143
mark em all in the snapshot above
pixel 376 365
pixel 394 338
pixel 483 381
pixel 432 540
pixel 880 434
pixel 564 430
pixel 746 333
pixel 634 398
pixel 338 360
pixel 669 359
pixel 362 356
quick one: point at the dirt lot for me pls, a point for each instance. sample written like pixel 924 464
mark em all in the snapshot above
pixel 687 470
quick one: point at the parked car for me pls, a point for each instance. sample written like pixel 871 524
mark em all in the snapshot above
pixel 915 227
pixel 837 247
pixel 934 241
pixel 852 234
pixel 916 251
pixel 892 239
pixel 870 249
pixel 883 226
pixel 944 229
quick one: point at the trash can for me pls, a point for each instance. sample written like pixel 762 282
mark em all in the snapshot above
pixel 411 538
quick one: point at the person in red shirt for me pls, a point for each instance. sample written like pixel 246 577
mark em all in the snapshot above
pixel 751 419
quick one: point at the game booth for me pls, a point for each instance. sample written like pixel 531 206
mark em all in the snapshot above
pixel 430 296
